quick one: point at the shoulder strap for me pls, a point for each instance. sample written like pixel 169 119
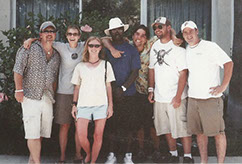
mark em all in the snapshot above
pixel 105 76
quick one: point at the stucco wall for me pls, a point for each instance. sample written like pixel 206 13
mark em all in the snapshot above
pixel 222 24
pixel 5 17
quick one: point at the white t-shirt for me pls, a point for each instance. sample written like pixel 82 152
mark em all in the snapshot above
pixel 92 83
pixel 172 60
pixel 67 65
pixel 203 63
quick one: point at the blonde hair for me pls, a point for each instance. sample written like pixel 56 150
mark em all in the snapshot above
pixel 85 54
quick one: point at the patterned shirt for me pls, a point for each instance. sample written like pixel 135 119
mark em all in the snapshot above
pixel 38 73
pixel 141 82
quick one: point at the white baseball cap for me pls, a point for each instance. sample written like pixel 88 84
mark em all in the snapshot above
pixel 115 23
pixel 46 24
pixel 189 24
pixel 160 20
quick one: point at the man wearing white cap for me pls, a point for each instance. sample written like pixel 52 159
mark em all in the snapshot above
pixel 168 91
pixel 205 105
pixel 35 76
pixel 125 70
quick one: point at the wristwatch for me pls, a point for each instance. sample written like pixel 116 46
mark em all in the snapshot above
pixel 123 88
pixel 74 103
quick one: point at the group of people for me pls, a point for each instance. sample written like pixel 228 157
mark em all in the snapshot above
pixel 144 85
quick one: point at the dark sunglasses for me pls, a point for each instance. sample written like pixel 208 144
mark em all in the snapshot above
pixel 94 45
pixel 74 56
pixel 158 26
pixel 49 31
pixel 70 34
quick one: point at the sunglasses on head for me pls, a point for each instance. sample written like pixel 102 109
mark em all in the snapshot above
pixel 158 26
pixel 94 45
pixel 74 56
pixel 49 31
pixel 74 34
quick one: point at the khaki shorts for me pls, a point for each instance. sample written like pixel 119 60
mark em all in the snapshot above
pixel 205 116
pixel 37 117
pixel 62 109
pixel 169 120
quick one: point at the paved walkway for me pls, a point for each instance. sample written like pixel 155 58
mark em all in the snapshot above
pixel 13 159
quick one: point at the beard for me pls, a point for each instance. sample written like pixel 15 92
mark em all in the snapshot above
pixel 160 36
pixel 117 37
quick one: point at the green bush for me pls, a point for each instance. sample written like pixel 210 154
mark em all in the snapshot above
pixel 11 126
pixel 11 129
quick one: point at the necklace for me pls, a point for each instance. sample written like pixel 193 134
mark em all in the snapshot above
pixel 94 62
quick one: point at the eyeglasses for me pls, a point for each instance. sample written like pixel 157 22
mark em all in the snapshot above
pixel 49 31
pixel 70 34
pixel 158 26
pixel 94 45
pixel 74 56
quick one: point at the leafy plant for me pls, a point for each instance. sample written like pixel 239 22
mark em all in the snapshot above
pixel 11 126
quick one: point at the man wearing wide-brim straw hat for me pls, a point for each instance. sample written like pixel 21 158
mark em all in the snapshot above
pixel 126 69
pixel 116 23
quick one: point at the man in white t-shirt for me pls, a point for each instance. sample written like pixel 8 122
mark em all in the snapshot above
pixel 168 91
pixel 205 105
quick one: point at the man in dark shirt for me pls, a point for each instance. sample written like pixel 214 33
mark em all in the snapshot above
pixel 35 76
pixel 126 70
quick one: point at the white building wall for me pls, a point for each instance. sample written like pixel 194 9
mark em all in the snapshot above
pixel 223 26
pixel 5 17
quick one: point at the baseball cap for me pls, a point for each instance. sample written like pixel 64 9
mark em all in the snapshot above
pixel 189 24
pixel 160 20
pixel 46 24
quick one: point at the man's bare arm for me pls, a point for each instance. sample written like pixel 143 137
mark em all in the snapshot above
pixel 107 42
pixel 228 70
pixel 176 101
pixel 18 80
pixel 132 77
pixel 151 82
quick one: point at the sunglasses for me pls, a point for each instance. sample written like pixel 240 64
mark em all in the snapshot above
pixel 74 56
pixel 158 26
pixel 49 31
pixel 94 45
pixel 70 34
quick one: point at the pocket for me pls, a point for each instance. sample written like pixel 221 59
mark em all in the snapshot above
pixel 220 104
pixel 29 123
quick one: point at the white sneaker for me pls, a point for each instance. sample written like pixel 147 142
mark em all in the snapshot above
pixel 111 159
pixel 128 158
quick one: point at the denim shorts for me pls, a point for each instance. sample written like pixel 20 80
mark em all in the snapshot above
pixel 92 112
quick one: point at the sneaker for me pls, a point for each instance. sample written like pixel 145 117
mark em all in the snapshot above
pixel 111 159
pixel 128 158
pixel 156 157
pixel 170 159
pixel 188 160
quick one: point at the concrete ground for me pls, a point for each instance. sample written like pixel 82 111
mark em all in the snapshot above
pixel 13 159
